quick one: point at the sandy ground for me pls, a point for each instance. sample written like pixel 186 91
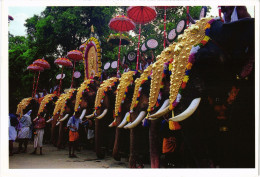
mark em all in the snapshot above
pixel 58 158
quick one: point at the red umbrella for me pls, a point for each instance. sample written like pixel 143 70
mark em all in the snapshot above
pixel 74 55
pixel 43 63
pixel 63 62
pixel 34 67
pixel 141 15
pixel 164 32
pixel 121 24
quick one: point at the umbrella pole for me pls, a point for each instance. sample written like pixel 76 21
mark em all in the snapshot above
pixel 188 11
pixel 164 35
pixel 33 84
pixel 37 83
pixel 60 80
pixel 72 75
pixel 137 62
pixel 118 54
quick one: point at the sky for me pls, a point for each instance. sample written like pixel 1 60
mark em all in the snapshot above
pixel 21 13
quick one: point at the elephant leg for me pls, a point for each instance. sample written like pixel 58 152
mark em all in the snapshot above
pixel 155 143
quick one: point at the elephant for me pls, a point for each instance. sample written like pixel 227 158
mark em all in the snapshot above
pixel 126 86
pixel 213 96
pixel 47 106
pixel 28 104
pixel 64 107
pixel 85 100
pixel 104 110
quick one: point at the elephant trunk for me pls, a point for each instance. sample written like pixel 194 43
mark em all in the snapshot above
pixel 99 139
pixel 116 154
pixel 155 140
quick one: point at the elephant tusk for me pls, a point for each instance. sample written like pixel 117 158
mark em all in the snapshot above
pixel 165 104
pixel 102 115
pixel 124 121
pixel 58 123
pixel 82 114
pixel 137 121
pixel 111 125
pixel 127 125
pixel 64 118
pixel 160 114
pixel 188 112
pixel 35 118
pixel 49 120
pixel 90 116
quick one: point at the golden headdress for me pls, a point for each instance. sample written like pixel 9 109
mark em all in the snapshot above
pixel 84 86
pixel 22 105
pixel 45 100
pixel 191 37
pixel 125 80
pixel 138 83
pixel 103 88
pixel 157 74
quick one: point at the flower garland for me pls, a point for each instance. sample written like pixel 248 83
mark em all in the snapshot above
pixel 191 61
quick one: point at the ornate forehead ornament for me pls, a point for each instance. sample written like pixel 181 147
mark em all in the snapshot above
pixel 104 87
pixel 125 81
pixel 45 100
pixel 83 87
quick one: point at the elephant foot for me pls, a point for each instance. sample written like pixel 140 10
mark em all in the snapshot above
pixel 117 157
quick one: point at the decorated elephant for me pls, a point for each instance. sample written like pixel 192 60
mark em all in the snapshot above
pixel 64 108
pixel 28 104
pixel 104 110
pixel 47 106
pixel 84 105
pixel 124 96
pixel 212 83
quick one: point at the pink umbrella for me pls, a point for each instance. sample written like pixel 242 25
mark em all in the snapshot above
pixel 34 67
pixel 74 55
pixel 141 15
pixel 164 32
pixel 121 24
pixel 42 63
pixel 63 62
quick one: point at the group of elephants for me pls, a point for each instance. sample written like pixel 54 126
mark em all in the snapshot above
pixel 131 113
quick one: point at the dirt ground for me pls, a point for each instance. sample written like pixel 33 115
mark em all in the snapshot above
pixel 58 158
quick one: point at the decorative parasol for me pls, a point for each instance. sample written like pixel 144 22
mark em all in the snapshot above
pixel 164 31
pixel 141 15
pixel 74 55
pixel 63 62
pixel 121 23
pixel 34 67
pixel 42 63
pixel 115 39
